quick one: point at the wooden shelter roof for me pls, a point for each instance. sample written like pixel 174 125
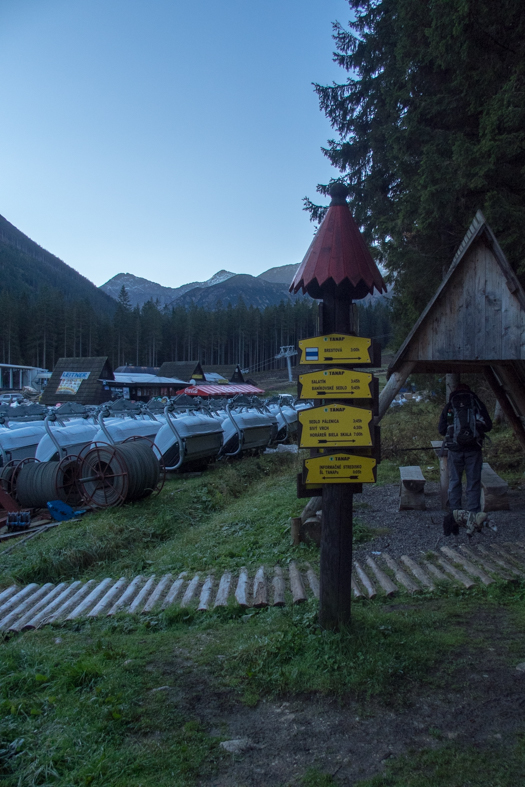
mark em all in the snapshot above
pixel 477 314
pixel 475 323
pixel 225 370
pixel 90 389
pixel 181 370
pixel 338 255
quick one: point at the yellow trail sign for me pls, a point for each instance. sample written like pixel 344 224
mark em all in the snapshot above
pixel 339 469
pixel 335 348
pixel 334 426
pixel 335 384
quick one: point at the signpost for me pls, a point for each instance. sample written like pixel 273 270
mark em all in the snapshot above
pixel 340 469
pixel 336 348
pixel 337 384
pixel 337 269
pixel 334 426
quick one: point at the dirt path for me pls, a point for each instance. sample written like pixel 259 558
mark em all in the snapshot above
pixel 413 532
pixel 480 703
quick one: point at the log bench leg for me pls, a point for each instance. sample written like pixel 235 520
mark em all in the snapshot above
pixel 411 489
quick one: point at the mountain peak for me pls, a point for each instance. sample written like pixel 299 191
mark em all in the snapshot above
pixel 141 290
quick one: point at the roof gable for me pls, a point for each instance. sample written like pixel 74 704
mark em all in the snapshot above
pixel 477 313
pixel 84 377
pixel 181 370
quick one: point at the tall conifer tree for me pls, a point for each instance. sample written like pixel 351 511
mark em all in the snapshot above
pixel 431 127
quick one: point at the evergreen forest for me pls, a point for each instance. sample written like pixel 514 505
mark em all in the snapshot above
pixel 37 331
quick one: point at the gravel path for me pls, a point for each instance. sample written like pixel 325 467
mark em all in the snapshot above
pixel 413 532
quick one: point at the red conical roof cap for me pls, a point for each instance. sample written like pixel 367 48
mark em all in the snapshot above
pixel 339 253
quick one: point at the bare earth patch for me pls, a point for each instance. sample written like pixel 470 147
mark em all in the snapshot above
pixel 477 698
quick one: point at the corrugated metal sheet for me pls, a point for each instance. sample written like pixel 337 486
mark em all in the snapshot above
pixel 146 379
pixel 181 370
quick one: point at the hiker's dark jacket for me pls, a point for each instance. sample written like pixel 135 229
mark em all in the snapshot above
pixel 486 427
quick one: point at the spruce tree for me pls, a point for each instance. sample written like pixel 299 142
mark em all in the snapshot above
pixel 430 127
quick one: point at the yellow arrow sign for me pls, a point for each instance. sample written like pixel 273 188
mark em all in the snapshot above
pixel 335 348
pixel 340 469
pixel 335 384
pixel 335 426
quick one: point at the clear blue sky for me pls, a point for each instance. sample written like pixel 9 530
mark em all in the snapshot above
pixel 165 138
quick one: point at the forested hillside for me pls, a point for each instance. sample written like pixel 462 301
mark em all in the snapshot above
pixel 148 336
pixel 46 313
pixel 26 268
pixel 225 335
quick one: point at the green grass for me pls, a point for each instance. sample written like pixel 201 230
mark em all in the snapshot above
pixel 78 701
pixel 80 708
pixel 380 654
pixel 195 524
pixel 454 766
pixel 316 778
pixel 233 516
pixel 119 702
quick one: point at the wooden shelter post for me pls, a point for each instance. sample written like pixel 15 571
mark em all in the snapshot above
pixel 506 406
pixel 452 381
pixel 393 386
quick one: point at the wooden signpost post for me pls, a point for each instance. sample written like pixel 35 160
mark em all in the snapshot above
pixel 340 430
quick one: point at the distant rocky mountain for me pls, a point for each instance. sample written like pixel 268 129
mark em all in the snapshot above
pixel 281 275
pixel 142 290
pixel 267 289
pixel 254 291
pixel 26 269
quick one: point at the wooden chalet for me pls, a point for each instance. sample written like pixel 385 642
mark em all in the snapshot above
pixel 137 369
pixel 78 380
pixel 475 323
pixel 223 371
pixel 182 370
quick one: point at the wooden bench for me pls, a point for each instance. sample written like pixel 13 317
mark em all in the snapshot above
pixel 494 490
pixel 411 489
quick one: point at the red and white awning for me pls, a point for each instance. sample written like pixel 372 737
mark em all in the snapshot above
pixel 220 390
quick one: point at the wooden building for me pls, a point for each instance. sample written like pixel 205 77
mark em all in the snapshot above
pixel 182 370
pixel 79 380
pixel 475 323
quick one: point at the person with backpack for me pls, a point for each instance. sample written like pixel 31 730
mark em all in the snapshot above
pixel 463 423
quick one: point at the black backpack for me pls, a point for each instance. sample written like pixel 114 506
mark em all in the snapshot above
pixel 464 431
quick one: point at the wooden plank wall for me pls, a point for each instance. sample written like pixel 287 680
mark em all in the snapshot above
pixel 476 318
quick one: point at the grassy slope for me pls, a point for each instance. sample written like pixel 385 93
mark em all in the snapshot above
pixel 78 702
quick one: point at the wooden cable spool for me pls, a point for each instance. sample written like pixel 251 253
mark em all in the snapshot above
pixel 111 475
